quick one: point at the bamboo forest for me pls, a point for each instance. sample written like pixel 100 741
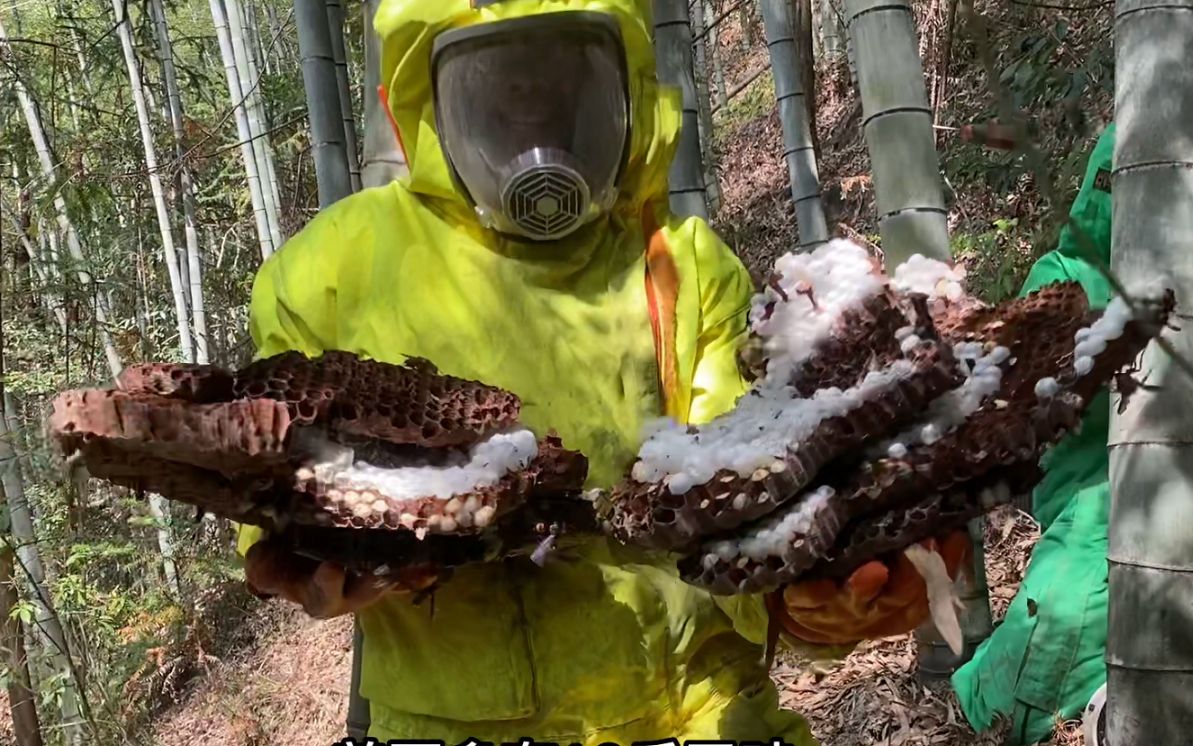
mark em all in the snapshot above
pixel 185 183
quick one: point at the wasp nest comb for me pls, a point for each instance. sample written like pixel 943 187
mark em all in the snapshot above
pixel 371 464
pixel 882 411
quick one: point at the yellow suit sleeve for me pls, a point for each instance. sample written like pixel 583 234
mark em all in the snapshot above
pixel 726 290
pixel 292 306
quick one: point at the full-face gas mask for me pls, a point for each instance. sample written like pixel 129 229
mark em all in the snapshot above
pixel 533 114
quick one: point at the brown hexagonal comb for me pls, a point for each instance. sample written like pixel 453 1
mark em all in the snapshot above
pixel 989 389
pixel 332 446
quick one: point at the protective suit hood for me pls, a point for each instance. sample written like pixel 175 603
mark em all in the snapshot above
pixel 407 30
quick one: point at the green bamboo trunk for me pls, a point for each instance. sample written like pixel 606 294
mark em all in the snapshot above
pixel 1149 651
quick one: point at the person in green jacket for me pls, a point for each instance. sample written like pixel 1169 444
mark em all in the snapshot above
pixel 1045 661
pixel 531 246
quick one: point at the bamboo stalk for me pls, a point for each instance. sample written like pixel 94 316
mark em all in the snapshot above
pixel 74 245
pixel 157 502
pixel 74 104
pixel 850 59
pixel 798 148
pixel 47 626
pixel 718 64
pixel 382 159
pixel 673 41
pixel 37 267
pixel 913 220
pixel 332 174
pixel 944 62
pixel 703 101
pixel 38 263
pixel 256 193
pixel 193 265
pixel 250 86
pixel 83 66
pixel 263 140
pixel 54 270
pixel 124 31
pixel 817 32
pixel 746 22
pixel 335 26
pixel 718 19
pixel 382 162
pixel 22 699
pixel 260 54
pixel 830 30
pixel 803 26
pixel 898 130
pixel 275 32
pixel 1149 646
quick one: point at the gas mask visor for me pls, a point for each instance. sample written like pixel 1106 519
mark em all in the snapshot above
pixel 533 114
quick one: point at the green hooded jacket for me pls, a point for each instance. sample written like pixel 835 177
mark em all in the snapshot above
pixel 1046 659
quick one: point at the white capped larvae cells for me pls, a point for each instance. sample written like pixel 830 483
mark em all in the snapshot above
pixel 880 410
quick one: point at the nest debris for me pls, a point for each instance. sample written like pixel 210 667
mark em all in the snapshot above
pixel 345 458
pixel 948 406
pixel 883 410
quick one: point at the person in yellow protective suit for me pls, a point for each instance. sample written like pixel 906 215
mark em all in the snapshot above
pixel 531 247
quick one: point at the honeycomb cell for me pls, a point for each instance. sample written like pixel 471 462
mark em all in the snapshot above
pixel 891 479
pixel 238 445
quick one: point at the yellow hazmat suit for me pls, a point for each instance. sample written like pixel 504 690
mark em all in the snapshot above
pixel 608 645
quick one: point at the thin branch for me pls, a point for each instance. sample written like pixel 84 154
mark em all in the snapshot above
pixel 225 148
pixel 743 85
pixel 109 32
pixel 1051 6
pixel 976 22
pixel 36 42
pixel 716 21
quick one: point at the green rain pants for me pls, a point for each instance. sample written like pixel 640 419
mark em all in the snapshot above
pixel 1047 657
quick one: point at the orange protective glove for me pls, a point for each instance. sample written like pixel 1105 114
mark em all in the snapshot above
pixel 879 599
pixel 323 589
